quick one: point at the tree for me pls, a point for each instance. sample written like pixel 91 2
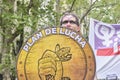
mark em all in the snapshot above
pixel 20 18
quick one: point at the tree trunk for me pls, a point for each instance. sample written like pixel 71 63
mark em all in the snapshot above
pixel 57 12
pixel 6 75
pixel 5 48
pixel 5 52
pixel 0 31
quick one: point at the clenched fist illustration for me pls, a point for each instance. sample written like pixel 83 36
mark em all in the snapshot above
pixel 50 64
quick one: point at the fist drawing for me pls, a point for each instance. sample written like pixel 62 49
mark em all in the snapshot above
pixel 50 64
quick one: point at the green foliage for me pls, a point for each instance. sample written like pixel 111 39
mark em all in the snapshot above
pixel 1 67
pixel 106 11
pixel 7 63
pixel 45 13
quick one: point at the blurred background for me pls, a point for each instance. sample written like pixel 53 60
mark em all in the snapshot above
pixel 19 19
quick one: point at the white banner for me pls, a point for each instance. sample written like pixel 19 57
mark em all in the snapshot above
pixel 105 41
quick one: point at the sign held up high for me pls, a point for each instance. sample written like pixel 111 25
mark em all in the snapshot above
pixel 56 54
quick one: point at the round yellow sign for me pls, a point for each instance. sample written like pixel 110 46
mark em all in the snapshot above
pixel 56 54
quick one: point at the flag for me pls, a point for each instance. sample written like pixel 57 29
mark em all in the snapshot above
pixel 104 39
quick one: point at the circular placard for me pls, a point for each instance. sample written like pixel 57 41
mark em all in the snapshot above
pixel 56 54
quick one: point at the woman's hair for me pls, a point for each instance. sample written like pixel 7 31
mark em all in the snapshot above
pixel 77 20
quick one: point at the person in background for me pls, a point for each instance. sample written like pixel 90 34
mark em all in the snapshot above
pixel 47 71
pixel 70 20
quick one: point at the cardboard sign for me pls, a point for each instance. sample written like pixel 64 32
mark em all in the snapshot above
pixel 56 54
